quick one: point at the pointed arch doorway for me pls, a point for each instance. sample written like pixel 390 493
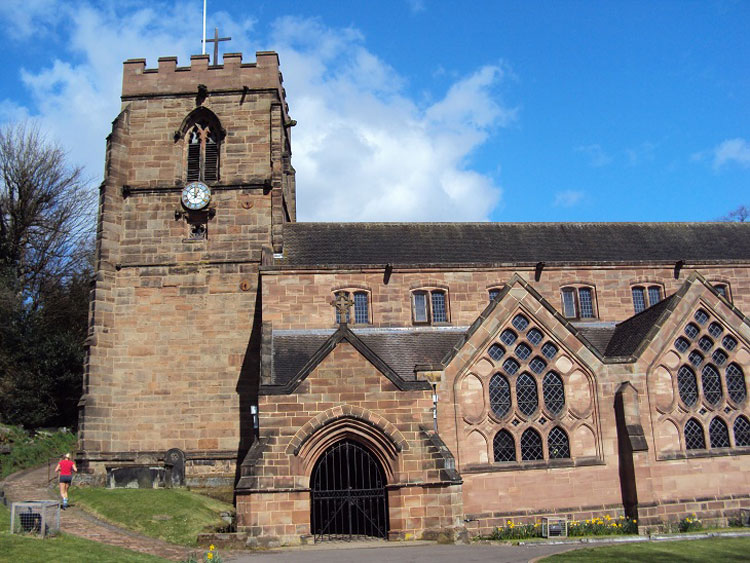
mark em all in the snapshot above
pixel 348 496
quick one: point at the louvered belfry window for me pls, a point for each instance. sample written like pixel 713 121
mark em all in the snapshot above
pixel 202 153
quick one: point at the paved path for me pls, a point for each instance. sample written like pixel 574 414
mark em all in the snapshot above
pixel 403 553
pixel 33 485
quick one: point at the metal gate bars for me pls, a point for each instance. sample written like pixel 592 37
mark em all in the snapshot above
pixel 348 494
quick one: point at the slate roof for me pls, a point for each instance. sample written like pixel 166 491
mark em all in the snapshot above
pixel 330 244
pixel 630 333
pixel 401 350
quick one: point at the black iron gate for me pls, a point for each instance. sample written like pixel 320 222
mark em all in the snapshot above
pixel 348 494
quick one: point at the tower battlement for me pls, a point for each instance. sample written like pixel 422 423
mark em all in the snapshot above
pixel 170 80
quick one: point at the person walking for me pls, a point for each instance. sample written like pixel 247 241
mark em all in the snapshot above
pixel 65 467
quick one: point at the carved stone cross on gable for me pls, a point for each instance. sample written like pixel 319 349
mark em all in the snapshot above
pixel 343 305
pixel 215 41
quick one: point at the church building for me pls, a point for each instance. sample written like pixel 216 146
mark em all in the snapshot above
pixel 395 380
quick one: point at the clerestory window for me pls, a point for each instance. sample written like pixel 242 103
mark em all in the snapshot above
pixel 578 302
pixel 360 307
pixel 429 306
pixel 645 296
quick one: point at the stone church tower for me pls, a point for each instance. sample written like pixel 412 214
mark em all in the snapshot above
pixel 173 344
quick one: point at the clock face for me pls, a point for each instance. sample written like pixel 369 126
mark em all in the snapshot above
pixel 196 195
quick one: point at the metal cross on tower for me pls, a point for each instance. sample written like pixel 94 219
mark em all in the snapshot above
pixel 343 305
pixel 215 41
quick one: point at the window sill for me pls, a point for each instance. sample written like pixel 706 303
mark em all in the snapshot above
pixel 503 466
pixel 692 454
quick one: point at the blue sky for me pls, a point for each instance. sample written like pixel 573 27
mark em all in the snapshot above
pixel 420 110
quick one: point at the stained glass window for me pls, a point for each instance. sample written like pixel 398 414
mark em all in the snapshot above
pixel 705 343
pixel 682 344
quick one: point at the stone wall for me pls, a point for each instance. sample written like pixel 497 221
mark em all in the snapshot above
pixel 346 397
pixel 172 360
pixel 301 299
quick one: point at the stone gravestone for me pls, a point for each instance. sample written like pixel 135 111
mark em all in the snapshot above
pixel 175 462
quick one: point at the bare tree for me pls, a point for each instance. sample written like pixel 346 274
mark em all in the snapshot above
pixel 46 212
pixel 739 215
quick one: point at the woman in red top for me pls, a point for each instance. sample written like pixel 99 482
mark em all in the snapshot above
pixel 66 468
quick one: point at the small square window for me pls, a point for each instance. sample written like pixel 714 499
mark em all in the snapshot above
pixel 578 302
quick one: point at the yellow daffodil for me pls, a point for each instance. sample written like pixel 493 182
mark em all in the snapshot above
pixel 209 555
pixel 211 547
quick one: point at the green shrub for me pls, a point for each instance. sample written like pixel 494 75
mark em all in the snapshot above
pixel 27 451
pixel 603 526
pixel 690 524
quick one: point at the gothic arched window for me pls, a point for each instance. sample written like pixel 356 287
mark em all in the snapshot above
pixel 558 444
pixel 718 433
pixel 687 386
pixel 694 438
pixel 554 393
pixel 711 384
pixel 736 383
pixel 203 153
pixel 526 394
pixel 504 446
pixel 499 395
pixel 741 431
pixel 531 445
pixel 203 135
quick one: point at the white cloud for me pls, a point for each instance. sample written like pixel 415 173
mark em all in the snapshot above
pixel 595 153
pixel 568 198
pixel 26 17
pixel 363 150
pixel 416 6
pixel 732 151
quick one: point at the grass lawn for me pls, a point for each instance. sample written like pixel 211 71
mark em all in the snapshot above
pixel 714 550
pixel 62 548
pixel 173 515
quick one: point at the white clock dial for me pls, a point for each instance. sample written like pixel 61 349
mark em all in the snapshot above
pixel 196 195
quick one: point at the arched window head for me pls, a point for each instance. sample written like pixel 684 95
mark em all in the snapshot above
pixel 203 134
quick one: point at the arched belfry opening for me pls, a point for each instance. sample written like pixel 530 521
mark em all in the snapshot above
pixel 203 134
pixel 348 495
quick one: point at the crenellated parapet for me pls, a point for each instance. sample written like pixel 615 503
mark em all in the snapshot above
pixel 169 79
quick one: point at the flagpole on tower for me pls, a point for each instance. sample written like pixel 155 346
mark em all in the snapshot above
pixel 203 51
